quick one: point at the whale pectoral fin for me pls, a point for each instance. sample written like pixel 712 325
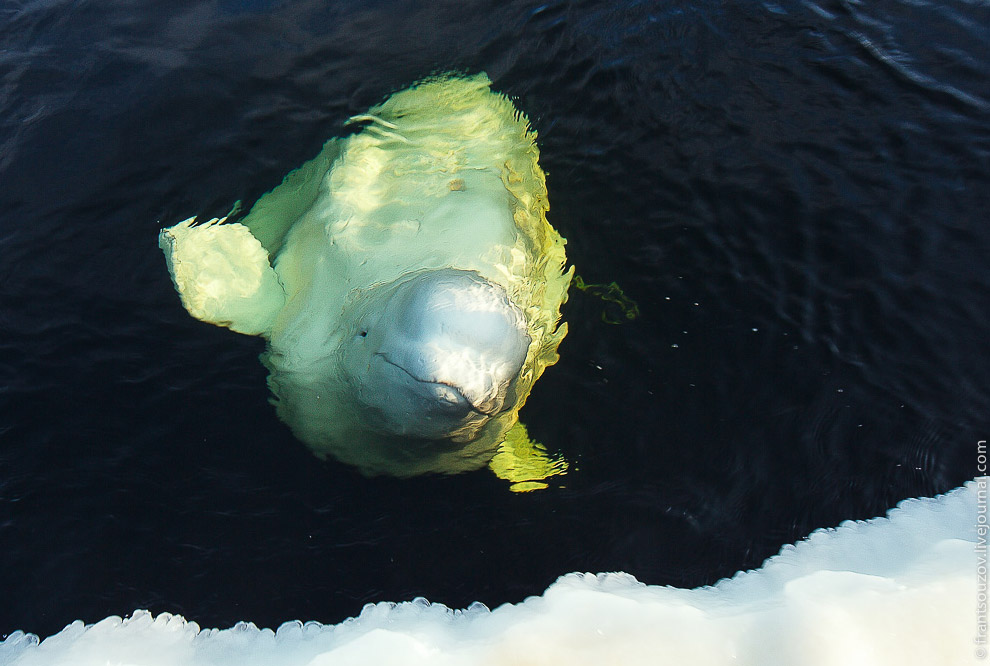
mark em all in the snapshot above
pixel 222 274
pixel 524 463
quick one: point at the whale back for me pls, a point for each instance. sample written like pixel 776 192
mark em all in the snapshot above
pixel 443 174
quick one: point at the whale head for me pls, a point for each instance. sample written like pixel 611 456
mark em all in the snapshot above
pixel 437 359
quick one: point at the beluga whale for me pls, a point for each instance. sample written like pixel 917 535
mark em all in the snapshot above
pixel 407 282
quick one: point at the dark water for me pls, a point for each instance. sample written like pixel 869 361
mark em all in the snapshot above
pixel 794 193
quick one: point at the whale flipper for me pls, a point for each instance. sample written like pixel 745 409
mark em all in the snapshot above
pixel 223 275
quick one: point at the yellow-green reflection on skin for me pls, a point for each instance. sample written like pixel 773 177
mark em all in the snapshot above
pixel 524 463
pixel 406 279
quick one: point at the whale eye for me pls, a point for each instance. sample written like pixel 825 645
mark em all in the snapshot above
pixel 363 334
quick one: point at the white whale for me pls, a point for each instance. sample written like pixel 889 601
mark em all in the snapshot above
pixel 909 589
pixel 407 281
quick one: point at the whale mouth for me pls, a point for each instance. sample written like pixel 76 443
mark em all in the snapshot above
pixel 447 395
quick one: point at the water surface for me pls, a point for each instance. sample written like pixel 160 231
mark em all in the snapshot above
pixel 794 193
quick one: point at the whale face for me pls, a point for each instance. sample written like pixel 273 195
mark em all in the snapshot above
pixel 438 360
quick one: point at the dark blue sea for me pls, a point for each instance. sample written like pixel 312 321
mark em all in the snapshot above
pixel 794 193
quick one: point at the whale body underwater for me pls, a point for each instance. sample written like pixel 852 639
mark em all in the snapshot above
pixel 407 282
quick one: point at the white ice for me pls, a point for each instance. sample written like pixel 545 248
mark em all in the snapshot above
pixel 905 589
